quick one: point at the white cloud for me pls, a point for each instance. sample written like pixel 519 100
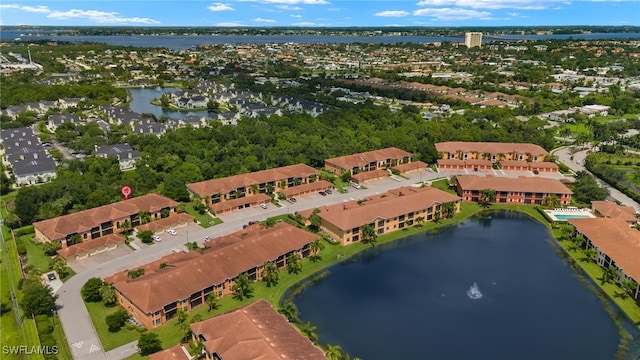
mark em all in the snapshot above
pixel 493 4
pixel 392 13
pixel 220 7
pixel 295 16
pixel 295 2
pixel 289 8
pixel 264 20
pixel 230 24
pixel 101 17
pixel 452 14
pixel 34 9
pixel 304 23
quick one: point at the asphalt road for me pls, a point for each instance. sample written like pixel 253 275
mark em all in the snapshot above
pixel 576 163
pixel 81 335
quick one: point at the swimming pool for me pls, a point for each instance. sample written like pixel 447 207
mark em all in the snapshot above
pixel 562 217
pixel 563 214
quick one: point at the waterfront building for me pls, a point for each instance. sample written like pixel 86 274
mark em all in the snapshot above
pixel 473 39
pixel 245 190
pixel 609 209
pixel 520 190
pixel 388 212
pixel 255 331
pixel 617 245
pixel 187 278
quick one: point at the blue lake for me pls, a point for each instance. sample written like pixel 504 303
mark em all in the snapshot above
pixel 411 299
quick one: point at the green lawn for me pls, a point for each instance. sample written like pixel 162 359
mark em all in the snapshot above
pixel 443 185
pixel 35 255
pixel 64 352
pixel 205 220
pixel 109 340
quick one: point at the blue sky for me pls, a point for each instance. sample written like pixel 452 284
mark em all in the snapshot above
pixel 331 13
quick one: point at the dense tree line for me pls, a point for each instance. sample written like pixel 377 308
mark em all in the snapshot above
pixel 187 155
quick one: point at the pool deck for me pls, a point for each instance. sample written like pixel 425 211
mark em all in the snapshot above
pixel 573 212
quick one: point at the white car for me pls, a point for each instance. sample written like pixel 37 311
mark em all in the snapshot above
pixel 355 185
pixel 156 238
pixel 264 206
pixel 172 232
pixel 207 238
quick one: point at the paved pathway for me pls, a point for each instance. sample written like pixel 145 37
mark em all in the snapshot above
pixel 81 335
pixel 576 163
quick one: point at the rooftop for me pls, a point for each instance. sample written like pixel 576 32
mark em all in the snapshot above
pixel 490 147
pixel 519 184
pixel 365 158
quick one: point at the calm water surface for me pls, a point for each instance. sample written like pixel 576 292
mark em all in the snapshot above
pixel 411 299
pixel 141 103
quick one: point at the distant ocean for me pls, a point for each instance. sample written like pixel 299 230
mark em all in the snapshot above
pixel 180 42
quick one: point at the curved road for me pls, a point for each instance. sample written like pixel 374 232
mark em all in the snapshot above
pixel 577 164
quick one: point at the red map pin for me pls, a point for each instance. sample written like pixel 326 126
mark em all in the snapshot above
pixel 126 191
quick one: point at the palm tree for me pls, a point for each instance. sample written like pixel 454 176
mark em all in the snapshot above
pixel 590 254
pixel 316 246
pixel 369 234
pixel 629 286
pixel 242 287
pixel 294 264
pixel 309 330
pixel 487 196
pixel 290 311
pixel 144 216
pixel 334 352
pixel 212 301
pixel 59 265
pixel 419 221
pixel 108 294
pixel 448 209
pixel 270 273
pixel 609 273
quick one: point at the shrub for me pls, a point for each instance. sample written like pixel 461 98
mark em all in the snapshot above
pixel 91 290
pixel 51 248
pixel 149 343
pixel 135 273
pixel 145 236
pixel 116 321
pixel 20 247
pixel 25 230
pixel 43 322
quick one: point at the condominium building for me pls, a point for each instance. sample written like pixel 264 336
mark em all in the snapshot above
pixel 108 219
pixel 521 190
pixel 473 39
pixel 186 278
pixel 368 161
pixel 388 212
pixel 493 151
pixel 617 245
pixel 255 331
pixel 245 190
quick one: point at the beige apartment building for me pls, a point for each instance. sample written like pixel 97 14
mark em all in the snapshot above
pixel 388 212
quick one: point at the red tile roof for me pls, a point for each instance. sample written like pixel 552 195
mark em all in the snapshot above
pixel 543 164
pixel 229 205
pixel 615 238
pixel 163 223
pixel 348 162
pixel 194 271
pixel 58 228
pixel 520 184
pixel 89 245
pixel 370 175
pixel 396 202
pixel 490 147
pixel 173 353
pixel 231 183
pixel 315 186
pixel 255 331
pixel 612 210
pixel 414 165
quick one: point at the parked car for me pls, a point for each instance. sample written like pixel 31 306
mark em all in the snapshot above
pixel 264 206
pixel 156 238
pixel 322 193
pixel 51 277
pixel 293 200
pixel 355 186
pixel 328 191
pixel 207 238
pixel 172 232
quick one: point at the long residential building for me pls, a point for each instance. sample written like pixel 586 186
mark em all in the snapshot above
pixel 185 279
pixel 104 220
pixel 246 190
pixel 392 211
pixel 368 161
pixel 521 190
pixel 493 151
pixel 617 245
pixel 255 331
